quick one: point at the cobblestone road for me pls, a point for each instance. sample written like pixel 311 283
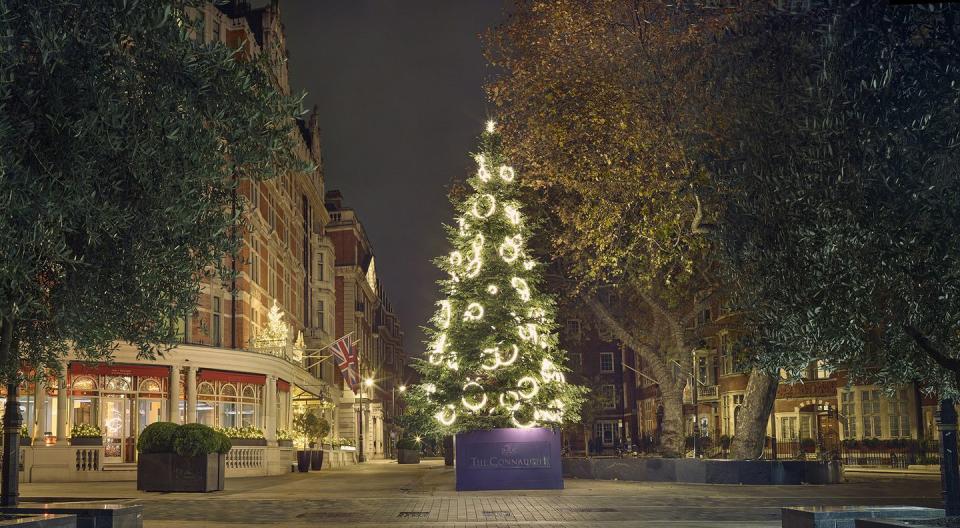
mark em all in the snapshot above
pixel 380 493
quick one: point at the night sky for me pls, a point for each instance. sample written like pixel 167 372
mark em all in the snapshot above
pixel 401 105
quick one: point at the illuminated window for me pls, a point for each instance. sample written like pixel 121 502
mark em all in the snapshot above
pixel 870 406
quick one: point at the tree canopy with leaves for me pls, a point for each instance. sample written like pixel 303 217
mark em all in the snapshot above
pixel 602 105
pixel 122 138
pixel 842 230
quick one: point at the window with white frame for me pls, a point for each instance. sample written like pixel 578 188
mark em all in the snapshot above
pixel 573 328
pixel 726 356
pixel 606 431
pixel 321 315
pixel 806 426
pixel 609 394
pixel 898 410
pixel 216 332
pixel 575 360
pixel 788 428
pixel 606 362
pixel 254 194
pixel 870 408
pixel 255 261
pixel 848 408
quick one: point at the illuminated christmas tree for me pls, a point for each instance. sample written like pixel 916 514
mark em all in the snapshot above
pixel 493 359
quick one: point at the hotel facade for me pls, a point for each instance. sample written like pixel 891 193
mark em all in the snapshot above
pixel 253 353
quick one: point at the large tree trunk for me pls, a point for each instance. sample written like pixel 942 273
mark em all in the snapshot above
pixel 672 443
pixel 672 438
pixel 750 436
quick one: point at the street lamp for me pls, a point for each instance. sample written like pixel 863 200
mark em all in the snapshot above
pixel 393 413
pixel 366 383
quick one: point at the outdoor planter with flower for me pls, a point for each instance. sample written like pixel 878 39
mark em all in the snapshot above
pixel 173 457
pixel 244 436
pixel 284 438
pixel 86 434
pixel 25 439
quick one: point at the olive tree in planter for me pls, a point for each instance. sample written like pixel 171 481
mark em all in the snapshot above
pixel 86 435
pixel 311 428
pixel 181 458
pixel 408 451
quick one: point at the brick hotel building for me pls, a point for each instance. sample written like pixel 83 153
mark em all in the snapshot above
pixel 294 272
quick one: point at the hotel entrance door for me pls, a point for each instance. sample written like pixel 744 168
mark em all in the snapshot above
pixel 117 437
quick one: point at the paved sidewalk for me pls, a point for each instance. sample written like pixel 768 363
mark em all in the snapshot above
pixel 381 492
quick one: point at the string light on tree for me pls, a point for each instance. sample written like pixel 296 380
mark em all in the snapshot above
pixel 491 362
pixel 523 289
pixel 474 312
pixel 510 249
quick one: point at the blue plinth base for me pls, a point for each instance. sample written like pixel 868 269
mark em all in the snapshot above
pixel 509 459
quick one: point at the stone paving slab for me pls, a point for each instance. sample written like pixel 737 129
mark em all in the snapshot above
pixel 380 493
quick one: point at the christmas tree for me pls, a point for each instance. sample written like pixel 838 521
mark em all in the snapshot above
pixel 492 360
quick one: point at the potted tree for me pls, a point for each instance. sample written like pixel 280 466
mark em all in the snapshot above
pixel 86 435
pixel 309 428
pixel 408 450
pixel 181 458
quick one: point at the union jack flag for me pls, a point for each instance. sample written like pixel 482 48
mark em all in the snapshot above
pixel 346 358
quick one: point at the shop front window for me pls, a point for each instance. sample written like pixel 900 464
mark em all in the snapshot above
pixel 206 404
pixel 228 407
pixel 85 401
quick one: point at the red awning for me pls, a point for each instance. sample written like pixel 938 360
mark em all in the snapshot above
pixel 103 369
pixel 231 377
pixel 283 386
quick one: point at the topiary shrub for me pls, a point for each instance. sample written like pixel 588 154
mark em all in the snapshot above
pixel 198 439
pixel 157 438
pixel 225 444
pixel 408 443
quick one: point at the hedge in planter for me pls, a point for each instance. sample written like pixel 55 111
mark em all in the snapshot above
pixel 244 436
pixel 408 451
pixel 86 434
pixel 175 457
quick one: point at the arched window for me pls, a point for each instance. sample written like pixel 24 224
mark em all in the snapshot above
pixel 84 383
pixel 149 385
pixel 250 406
pixel 206 404
pixel 118 384
pixel 229 410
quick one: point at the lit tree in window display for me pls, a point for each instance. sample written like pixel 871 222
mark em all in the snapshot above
pixel 493 361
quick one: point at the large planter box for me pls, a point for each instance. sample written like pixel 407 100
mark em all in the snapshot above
pixel 87 441
pixel 408 456
pixel 248 442
pixel 171 472
pixel 506 459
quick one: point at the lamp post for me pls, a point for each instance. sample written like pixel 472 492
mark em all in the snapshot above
pixel 393 417
pixel 363 387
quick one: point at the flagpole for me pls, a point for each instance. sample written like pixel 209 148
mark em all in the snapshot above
pixel 360 458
